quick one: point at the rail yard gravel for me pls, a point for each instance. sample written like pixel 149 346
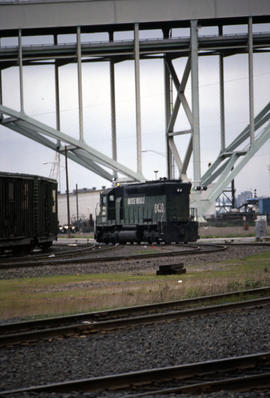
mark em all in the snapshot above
pixel 193 339
pixel 164 344
pixel 137 266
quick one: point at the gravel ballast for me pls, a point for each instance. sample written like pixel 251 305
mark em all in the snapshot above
pixel 134 266
pixel 165 344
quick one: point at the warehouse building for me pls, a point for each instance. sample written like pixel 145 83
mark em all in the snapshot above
pixel 82 204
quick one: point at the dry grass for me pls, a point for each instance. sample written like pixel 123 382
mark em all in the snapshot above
pixel 55 295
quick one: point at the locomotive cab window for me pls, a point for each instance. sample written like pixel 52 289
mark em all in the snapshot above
pixel 111 207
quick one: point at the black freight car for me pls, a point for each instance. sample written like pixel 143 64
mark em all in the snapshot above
pixel 155 211
pixel 28 212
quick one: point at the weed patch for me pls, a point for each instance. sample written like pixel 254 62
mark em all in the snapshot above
pixel 57 295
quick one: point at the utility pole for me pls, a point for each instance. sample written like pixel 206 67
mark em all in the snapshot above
pixel 67 192
pixel 77 204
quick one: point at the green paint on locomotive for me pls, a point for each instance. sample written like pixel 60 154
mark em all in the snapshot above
pixel 117 207
pixel 141 210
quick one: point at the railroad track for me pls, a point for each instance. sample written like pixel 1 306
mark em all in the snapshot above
pixel 69 254
pixel 92 253
pixel 242 373
pixel 79 258
pixel 96 322
pixel 63 251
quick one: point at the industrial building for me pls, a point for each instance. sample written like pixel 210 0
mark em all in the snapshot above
pixel 82 203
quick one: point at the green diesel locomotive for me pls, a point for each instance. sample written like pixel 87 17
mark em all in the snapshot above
pixel 155 211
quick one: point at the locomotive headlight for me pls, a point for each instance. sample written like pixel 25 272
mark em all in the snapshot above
pixel 200 188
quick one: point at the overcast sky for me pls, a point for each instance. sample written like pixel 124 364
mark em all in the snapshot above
pixel 19 154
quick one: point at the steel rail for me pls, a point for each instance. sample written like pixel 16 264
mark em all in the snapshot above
pixel 80 248
pixel 44 254
pixel 8 262
pixel 129 311
pixel 181 373
pixel 93 327
pixel 211 248
pixel 242 383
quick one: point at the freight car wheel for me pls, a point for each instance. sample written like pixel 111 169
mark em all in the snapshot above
pixel 22 250
pixel 45 246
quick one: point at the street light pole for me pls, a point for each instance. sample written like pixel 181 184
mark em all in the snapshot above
pixel 77 204
pixel 158 153
pixel 67 192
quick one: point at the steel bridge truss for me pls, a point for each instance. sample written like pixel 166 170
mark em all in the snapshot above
pixel 77 150
pixel 234 157
pixel 231 159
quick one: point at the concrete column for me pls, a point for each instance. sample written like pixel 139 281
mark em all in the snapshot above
pixel 168 111
pixel 167 93
pixel 79 69
pixel 221 96
pixel 21 70
pixel 58 118
pixel 251 80
pixel 138 98
pixel 195 104
pixel 57 92
pixel 113 108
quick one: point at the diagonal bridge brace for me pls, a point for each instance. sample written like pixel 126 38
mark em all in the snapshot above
pixel 230 162
pixel 78 150
pixel 218 166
